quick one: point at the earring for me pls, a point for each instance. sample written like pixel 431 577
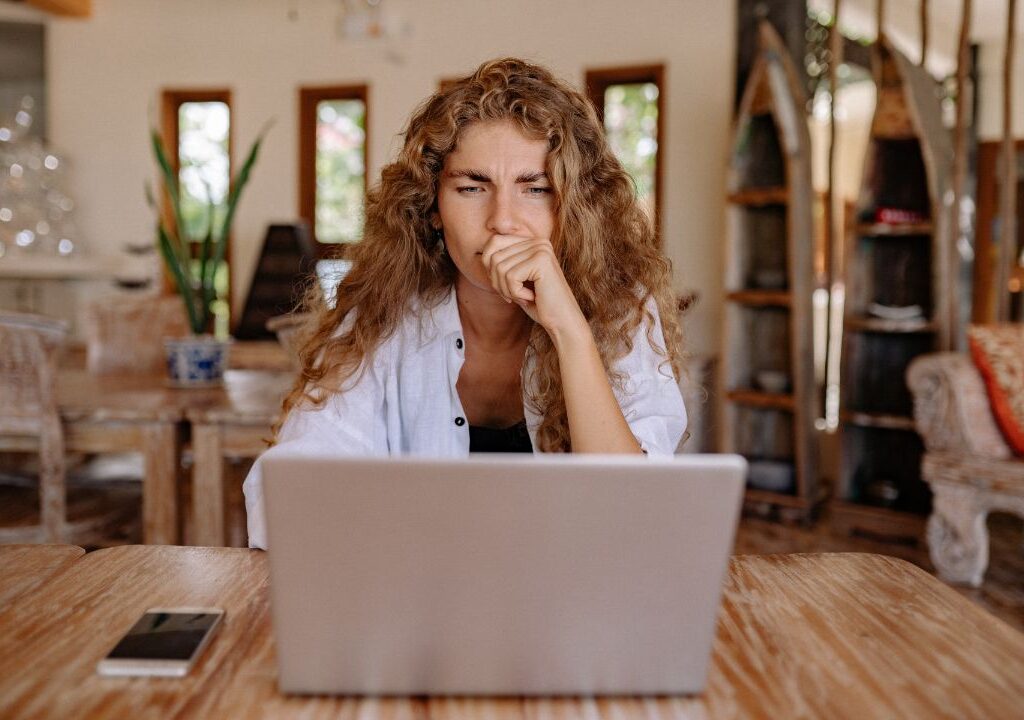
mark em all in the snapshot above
pixel 439 239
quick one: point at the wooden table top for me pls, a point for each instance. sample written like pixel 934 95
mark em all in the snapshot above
pixel 835 635
pixel 248 395
pixel 25 567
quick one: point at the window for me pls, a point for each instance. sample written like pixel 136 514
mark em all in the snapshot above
pixel 332 163
pixel 197 133
pixel 629 103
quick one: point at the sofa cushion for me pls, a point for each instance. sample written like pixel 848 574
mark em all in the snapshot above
pixel 998 351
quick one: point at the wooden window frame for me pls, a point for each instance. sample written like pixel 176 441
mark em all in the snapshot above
pixel 309 98
pixel 600 79
pixel 171 101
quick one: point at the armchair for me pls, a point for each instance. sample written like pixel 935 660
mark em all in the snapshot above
pixel 967 462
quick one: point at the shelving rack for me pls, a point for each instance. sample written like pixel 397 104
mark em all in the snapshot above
pixel 896 259
pixel 767 392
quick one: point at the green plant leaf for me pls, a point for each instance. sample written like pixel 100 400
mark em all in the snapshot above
pixel 207 270
pixel 180 278
pixel 237 185
pixel 171 183
pixel 196 281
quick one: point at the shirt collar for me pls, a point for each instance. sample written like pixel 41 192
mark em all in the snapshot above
pixel 441 320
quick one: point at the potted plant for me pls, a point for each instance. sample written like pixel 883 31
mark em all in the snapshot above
pixel 200 359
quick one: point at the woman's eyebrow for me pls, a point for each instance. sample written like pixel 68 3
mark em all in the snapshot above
pixel 530 177
pixel 474 175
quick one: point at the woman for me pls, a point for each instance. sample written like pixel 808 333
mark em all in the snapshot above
pixel 508 295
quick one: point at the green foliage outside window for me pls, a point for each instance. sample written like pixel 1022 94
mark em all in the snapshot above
pixel 203 163
pixel 631 125
pixel 340 170
pixel 204 174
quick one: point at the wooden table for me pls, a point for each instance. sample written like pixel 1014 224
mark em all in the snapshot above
pixel 25 567
pixel 238 425
pixel 141 413
pixel 832 636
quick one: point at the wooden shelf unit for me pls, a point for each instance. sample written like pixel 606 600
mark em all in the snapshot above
pixel 760 197
pixel 769 285
pixel 894 229
pixel 878 420
pixel 907 167
pixel 760 399
pixel 761 298
pixel 882 325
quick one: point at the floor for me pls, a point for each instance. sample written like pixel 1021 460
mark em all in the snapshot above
pixel 1001 594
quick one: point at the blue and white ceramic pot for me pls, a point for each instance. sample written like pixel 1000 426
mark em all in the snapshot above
pixel 196 361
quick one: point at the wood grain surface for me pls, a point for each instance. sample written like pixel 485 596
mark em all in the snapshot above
pixel 834 635
pixel 25 567
pixel 238 426
pixel 140 412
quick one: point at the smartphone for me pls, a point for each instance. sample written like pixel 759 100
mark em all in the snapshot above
pixel 165 642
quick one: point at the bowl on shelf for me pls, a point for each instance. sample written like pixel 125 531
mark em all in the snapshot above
pixel 773 381
pixel 771 475
pixel 894 312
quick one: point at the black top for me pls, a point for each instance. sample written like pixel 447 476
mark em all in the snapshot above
pixel 502 440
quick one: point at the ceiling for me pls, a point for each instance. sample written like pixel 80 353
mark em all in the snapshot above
pixel 988 17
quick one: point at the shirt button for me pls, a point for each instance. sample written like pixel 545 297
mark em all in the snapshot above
pixel 458 343
pixel 460 421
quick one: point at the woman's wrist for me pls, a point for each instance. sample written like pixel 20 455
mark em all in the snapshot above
pixel 572 336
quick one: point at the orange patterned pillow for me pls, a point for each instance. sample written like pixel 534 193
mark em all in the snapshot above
pixel 998 351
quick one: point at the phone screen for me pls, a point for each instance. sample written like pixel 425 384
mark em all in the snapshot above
pixel 165 636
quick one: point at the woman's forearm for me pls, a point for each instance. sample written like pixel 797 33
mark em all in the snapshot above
pixel 596 424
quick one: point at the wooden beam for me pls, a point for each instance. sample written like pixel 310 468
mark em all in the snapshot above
pixel 67 8
pixel 924 31
pixel 1008 204
pixel 957 320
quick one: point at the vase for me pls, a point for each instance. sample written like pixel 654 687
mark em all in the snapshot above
pixel 196 361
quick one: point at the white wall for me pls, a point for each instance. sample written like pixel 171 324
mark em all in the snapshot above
pixel 990 106
pixel 106 73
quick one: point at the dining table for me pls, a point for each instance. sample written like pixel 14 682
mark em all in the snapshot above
pixel 24 567
pixel 139 412
pixel 803 635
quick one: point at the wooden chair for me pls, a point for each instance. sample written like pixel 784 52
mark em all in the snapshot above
pixel 124 334
pixel 29 346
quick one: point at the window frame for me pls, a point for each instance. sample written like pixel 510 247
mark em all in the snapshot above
pixel 309 98
pixel 597 80
pixel 171 100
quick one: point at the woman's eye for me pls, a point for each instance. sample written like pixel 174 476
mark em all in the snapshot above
pixel 538 191
pixel 469 189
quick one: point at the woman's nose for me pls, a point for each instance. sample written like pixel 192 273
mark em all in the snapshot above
pixel 503 219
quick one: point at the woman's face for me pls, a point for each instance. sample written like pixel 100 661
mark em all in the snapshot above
pixel 493 183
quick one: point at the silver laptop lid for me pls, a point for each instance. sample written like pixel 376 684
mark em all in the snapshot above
pixel 498 575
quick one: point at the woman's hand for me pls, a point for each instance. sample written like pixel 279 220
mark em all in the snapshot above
pixel 526 271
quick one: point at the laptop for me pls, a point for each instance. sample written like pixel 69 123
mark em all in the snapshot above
pixel 498 574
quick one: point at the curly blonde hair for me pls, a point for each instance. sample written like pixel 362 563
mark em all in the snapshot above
pixel 605 241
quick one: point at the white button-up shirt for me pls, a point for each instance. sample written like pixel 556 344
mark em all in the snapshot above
pixel 405 402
